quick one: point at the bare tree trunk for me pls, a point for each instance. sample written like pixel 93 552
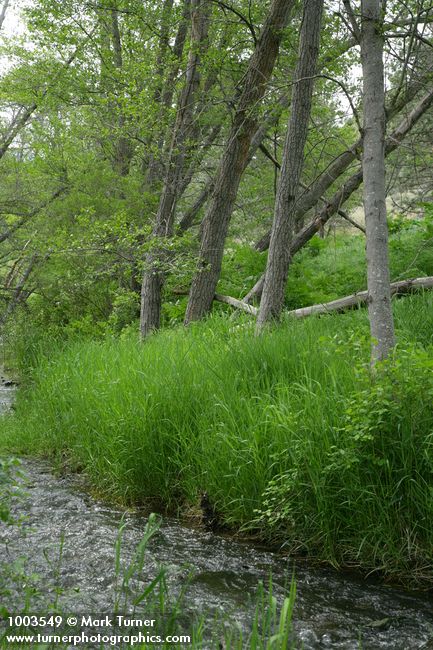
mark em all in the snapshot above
pixel 293 161
pixel 153 278
pixel 234 160
pixel 189 217
pixel 373 164
pixel 111 65
pixel 341 163
pixel 165 91
pixel 123 150
pixel 270 119
pixel 163 45
pixel 3 12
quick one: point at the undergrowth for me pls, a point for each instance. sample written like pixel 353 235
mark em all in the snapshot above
pixel 288 433
pixel 327 269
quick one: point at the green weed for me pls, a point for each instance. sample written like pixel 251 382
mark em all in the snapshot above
pixel 291 418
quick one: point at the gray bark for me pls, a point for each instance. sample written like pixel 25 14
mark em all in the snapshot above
pixel 111 64
pixel 18 292
pixel 3 12
pixel 188 219
pixel 165 91
pixel 293 161
pixel 123 150
pixel 153 277
pixel 342 162
pixel 163 45
pixel 271 118
pixel 373 164
pixel 234 161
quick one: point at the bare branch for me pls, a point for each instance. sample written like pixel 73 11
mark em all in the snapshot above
pixel 352 20
pixel 3 12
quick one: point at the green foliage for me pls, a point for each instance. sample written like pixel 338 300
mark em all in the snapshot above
pixel 124 310
pixel 371 474
pixel 327 269
pixel 286 433
pixel 211 408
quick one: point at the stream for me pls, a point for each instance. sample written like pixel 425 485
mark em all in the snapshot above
pixel 332 610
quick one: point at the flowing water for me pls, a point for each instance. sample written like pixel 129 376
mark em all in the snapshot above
pixel 332 610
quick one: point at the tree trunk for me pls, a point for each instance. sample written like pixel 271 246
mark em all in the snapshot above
pixel 123 150
pixel 153 277
pixel 270 119
pixel 3 12
pixel 18 291
pixel 234 160
pixel 373 164
pixel 111 65
pixel 154 166
pixel 291 169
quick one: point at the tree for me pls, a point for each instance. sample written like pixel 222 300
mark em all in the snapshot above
pixel 153 277
pixel 234 160
pixel 349 184
pixel 107 160
pixel 373 166
pixel 3 10
pixel 293 160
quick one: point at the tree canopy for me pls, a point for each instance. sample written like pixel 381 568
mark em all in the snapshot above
pixel 139 140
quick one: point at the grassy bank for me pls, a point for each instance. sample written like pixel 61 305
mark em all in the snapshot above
pixel 286 433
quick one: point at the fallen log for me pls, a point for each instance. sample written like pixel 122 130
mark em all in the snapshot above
pixel 237 304
pixel 348 302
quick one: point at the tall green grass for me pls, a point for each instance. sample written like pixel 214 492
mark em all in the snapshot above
pixel 287 433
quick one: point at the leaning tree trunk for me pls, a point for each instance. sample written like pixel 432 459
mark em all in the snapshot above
pixel 234 161
pixel 355 300
pixel 153 166
pixel 373 163
pixel 291 169
pixel 342 162
pixel 3 12
pixel 122 147
pixel 153 277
